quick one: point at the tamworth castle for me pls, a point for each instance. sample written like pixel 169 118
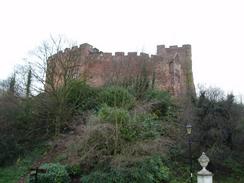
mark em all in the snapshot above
pixel 170 69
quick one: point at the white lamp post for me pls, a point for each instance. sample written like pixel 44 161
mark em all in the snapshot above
pixel 204 176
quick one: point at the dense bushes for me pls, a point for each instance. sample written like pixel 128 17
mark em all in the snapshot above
pixel 56 173
pixel 157 95
pixel 114 115
pixel 146 126
pixel 74 170
pixel 219 119
pixel 9 134
pixel 80 96
pixel 160 100
pixel 35 118
pixel 127 131
pixel 151 170
pixel 10 149
pixel 110 139
pixel 115 96
pixel 133 126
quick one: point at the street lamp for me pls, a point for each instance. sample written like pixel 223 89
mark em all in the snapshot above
pixel 188 131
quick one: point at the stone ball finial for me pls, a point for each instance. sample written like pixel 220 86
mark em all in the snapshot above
pixel 203 160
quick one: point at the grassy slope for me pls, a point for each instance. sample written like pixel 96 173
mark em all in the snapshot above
pixel 11 174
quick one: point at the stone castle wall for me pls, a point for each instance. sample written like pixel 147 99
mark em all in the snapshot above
pixel 170 69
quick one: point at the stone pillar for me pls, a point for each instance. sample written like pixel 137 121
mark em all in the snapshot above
pixel 204 176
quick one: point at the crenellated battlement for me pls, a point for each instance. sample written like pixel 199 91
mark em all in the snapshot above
pixel 161 51
pixel 171 65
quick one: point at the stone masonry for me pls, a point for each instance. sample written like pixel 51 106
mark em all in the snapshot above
pixel 170 69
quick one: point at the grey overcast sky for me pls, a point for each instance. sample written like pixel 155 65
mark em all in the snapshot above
pixel 214 28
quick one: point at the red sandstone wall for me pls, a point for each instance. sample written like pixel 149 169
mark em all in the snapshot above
pixel 172 67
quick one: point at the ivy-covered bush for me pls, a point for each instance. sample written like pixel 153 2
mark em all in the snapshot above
pixel 56 173
pixel 115 96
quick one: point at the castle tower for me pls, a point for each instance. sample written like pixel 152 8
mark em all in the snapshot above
pixel 184 57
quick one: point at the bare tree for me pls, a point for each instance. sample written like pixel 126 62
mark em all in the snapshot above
pixel 53 68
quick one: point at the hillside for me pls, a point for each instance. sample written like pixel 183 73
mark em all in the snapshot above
pixel 128 132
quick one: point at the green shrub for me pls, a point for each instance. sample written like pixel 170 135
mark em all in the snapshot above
pixel 128 132
pixel 9 138
pixel 113 115
pixel 151 170
pixel 102 177
pixel 140 127
pixel 56 173
pixel 73 170
pixel 81 96
pixel 161 100
pixel 10 149
pixel 158 95
pixel 115 96
pixel 156 169
pixel 148 125
pixel 118 117
pixel 131 127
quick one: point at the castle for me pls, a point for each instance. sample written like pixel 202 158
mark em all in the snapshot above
pixel 170 69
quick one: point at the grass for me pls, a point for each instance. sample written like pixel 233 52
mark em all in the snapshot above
pixel 11 174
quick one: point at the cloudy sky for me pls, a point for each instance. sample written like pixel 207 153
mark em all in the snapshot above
pixel 214 28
